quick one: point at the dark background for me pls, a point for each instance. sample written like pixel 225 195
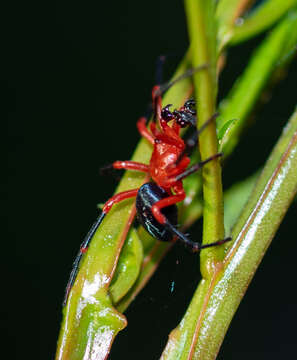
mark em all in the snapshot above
pixel 76 78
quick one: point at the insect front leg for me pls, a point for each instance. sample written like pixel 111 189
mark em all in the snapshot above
pixel 130 165
pixel 125 165
pixel 142 129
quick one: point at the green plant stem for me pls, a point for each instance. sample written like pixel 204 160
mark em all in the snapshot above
pixel 202 32
pixel 215 301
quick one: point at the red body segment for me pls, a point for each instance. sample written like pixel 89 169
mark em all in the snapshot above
pixel 167 160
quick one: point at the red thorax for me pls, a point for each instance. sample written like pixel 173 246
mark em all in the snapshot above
pixel 167 160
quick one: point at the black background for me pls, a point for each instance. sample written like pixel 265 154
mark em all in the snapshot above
pixel 77 77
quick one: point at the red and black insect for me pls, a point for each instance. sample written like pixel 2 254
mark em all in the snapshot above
pixel 169 165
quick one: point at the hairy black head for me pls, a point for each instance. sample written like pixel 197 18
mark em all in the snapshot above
pixel 184 117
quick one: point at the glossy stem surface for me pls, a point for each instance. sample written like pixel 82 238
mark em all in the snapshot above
pixel 203 36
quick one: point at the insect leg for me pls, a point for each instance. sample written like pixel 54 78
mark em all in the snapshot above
pixel 193 246
pixel 85 244
pixel 141 126
pixel 196 167
pixel 124 165
pixel 159 68
pixel 156 103
pixel 131 165
pixel 170 200
pixel 192 141
pixel 82 250
pixel 118 198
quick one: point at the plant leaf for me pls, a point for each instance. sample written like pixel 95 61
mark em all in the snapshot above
pixel 128 267
pixel 227 12
pixel 151 260
pixel 264 16
pixel 225 129
pixel 245 92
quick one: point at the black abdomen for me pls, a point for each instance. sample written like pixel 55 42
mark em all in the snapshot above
pixel 148 195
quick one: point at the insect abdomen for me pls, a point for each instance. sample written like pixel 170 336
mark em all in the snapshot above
pixel 147 195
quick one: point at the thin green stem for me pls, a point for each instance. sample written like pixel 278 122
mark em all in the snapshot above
pixel 202 32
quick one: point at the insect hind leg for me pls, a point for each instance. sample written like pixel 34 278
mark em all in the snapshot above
pixel 192 245
pixel 83 248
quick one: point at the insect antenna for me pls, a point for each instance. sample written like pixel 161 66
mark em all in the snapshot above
pixel 159 68
pixel 158 90
pixel 159 76
pixel 164 87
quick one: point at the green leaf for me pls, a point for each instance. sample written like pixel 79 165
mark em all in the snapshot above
pixel 246 91
pixel 150 263
pixel 263 17
pixel 227 12
pixel 223 131
pixel 128 267
pixel 290 44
